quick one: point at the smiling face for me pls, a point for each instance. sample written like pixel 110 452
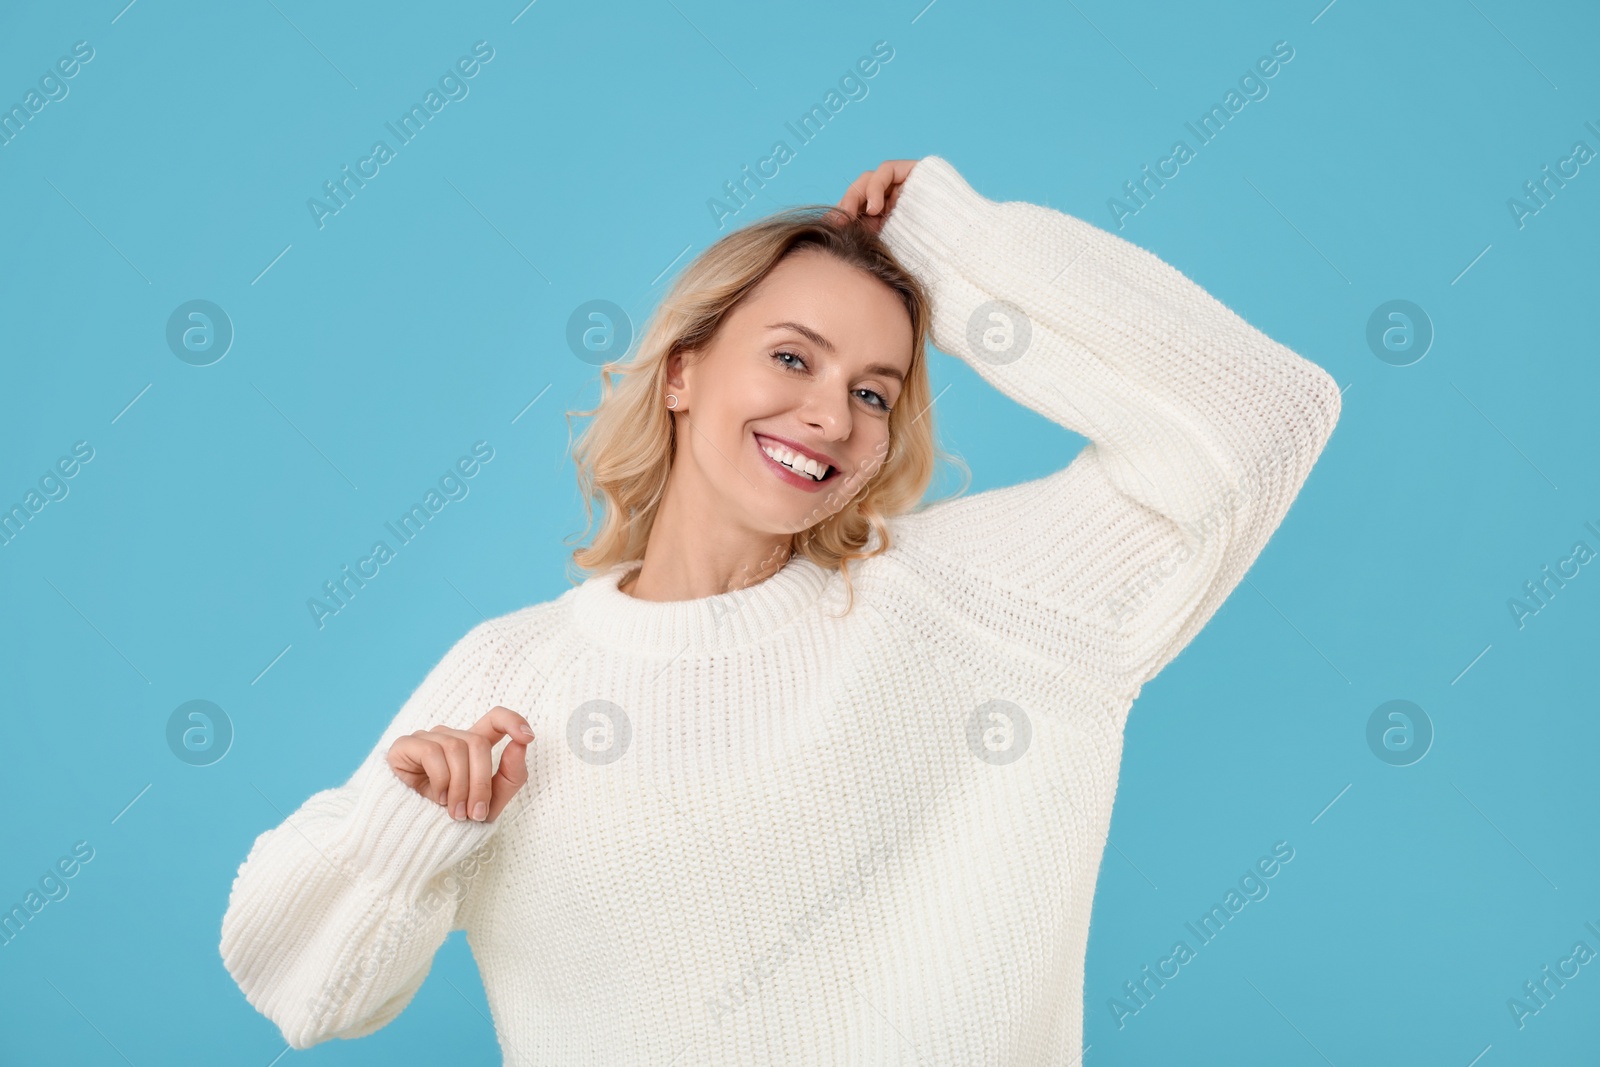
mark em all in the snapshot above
pixel 804 370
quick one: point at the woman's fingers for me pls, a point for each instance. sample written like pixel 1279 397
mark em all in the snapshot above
pixel 873 195
pixel 894 195
pixel 884 180
pixel 471 759
pixel 480 769
pixel 855 195
pixel 491 794
pixel 421 764
pixel 512 776
pixel 456 768
pixel 875 186
pixel 502 721
pixel 455 753
pixel 431 756
pixel 862 191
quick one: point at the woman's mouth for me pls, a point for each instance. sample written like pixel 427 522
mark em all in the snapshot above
pixel 792 467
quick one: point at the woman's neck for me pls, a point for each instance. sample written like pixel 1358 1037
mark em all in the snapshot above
pixel 669 575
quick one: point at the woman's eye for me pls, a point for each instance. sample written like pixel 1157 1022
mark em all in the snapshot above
pixel 881 404
pixel 877 399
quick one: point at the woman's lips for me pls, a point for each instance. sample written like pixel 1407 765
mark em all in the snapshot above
pixel 799 481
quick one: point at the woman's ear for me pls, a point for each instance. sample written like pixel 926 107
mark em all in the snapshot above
pixel 674 376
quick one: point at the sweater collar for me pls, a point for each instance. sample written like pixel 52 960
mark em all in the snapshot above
pixel 608 616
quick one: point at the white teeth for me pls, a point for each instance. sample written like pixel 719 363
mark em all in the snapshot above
pixel 797 463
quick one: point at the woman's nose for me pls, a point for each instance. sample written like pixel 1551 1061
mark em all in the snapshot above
pixel 829 411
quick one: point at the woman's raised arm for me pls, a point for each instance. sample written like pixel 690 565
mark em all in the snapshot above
pixel 1202 429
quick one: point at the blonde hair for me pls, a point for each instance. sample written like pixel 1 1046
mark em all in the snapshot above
pixel 625 453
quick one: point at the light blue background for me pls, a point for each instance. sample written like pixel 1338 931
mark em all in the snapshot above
pixel 431 311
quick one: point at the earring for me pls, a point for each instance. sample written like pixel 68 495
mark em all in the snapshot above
pixel 672 401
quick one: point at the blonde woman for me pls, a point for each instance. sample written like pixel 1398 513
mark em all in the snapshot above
pixel 804 772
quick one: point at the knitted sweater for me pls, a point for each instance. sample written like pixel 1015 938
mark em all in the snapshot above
pixel 759 830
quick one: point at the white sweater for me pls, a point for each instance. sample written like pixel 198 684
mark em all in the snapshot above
pixel 758 833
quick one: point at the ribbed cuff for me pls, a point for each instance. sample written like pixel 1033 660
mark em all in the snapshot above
pixel 398 840
pixel 935 216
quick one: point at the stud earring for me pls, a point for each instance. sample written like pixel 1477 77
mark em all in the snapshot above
pixel 672 401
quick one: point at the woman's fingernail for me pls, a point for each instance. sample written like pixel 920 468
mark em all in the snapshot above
pixel 461 809
pixel 527 730
pixel 441 799
pixel 481 811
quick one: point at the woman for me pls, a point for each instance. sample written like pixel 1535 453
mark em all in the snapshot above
pixel 818 776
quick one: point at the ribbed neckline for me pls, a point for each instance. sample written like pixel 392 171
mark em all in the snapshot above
pixel 608 616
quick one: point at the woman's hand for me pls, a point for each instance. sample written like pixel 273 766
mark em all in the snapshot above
pixel 873 195
pixel 451 767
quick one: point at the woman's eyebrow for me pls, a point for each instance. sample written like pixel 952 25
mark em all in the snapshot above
pixel 826 345
pixel 807 332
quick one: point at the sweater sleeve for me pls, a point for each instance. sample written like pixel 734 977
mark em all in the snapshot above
pixel 335 916
pixel 1201 428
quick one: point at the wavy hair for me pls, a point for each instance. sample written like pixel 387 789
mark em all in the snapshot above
pixel 626 451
